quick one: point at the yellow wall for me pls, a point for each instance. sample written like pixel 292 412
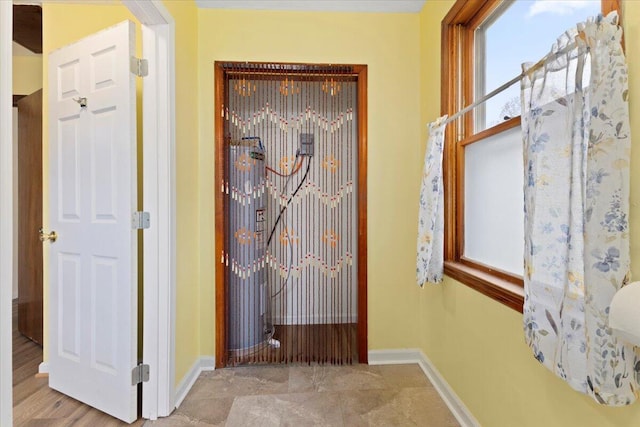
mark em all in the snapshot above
pixel 478 344
pixel 187 204
pixel 27 74
pixel 389 45
pixel 65 23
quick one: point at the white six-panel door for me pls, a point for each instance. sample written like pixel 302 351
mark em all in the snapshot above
pixel 92 195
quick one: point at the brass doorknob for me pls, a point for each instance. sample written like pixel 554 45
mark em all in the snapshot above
pixel 47 236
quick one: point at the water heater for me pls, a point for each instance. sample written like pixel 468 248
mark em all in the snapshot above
pixel 246 291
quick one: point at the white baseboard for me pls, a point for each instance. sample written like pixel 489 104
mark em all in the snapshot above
pixel 394 357
pixel 43 368
pixel 413 355
pixel 203 363
pixel 208 363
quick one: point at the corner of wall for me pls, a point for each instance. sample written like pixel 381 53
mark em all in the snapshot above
pixel 202 364
pixel 477 344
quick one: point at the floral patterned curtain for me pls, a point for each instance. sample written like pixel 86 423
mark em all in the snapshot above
pixel 431 214
pixel 575 125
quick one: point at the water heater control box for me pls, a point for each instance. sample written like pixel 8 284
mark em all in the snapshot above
pixel 306 144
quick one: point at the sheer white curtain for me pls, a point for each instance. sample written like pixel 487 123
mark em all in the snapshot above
pixel 430 257
pixel 575 125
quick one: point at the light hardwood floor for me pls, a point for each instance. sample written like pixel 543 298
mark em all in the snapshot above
pixel 34 403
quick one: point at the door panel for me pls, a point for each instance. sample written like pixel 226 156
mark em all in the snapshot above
pixel 30 216
pixel 93 264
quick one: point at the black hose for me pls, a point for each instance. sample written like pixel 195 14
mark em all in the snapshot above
pixel 306 173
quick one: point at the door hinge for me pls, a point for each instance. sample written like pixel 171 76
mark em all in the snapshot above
pixel 140 374
pixel 140 220
pixel 139 67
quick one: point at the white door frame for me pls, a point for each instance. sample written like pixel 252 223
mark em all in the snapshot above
pixel 159 195
pixel 6 212
pixel 158 45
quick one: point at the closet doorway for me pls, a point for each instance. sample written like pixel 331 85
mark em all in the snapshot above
pixel 291 224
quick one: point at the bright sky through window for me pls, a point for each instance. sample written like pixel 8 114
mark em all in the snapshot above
pixel 525 33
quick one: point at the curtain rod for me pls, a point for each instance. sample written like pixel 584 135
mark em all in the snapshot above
pixel 508 84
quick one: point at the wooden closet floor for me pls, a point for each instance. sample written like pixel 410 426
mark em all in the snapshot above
pixel 334 344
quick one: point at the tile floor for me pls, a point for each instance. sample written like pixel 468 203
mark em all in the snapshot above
pixel 358 395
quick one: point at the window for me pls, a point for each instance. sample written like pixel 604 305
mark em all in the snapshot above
pixel 484 44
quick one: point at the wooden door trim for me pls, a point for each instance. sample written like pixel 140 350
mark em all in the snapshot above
pixel 219 162
pixel 30 191
pixel 363 344
pixel 360 71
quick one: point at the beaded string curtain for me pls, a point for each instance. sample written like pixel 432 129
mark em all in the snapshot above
pixel 309 303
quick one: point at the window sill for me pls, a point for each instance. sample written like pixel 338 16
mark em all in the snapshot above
pixel 499 289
